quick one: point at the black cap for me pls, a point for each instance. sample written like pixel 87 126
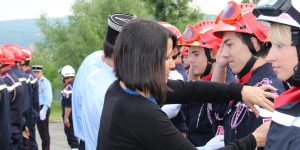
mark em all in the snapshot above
pixel 37 68
pixel 115 25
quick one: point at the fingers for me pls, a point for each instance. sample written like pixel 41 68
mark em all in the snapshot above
pixel 270 95
pixel 268 87
pixel 264 102
pixel 255 111
pixel 258 97
pixel 267 124
pixel 25 135
pixel 267 104
pixel 67 124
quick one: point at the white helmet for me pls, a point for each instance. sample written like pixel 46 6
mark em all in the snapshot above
pixel 281 11
pixel 284 12
pixel 67 71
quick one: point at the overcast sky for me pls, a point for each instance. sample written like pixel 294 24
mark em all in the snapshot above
pixel 23 9
pixel 213 6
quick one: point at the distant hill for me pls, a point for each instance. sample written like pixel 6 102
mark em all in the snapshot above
pixel 22 32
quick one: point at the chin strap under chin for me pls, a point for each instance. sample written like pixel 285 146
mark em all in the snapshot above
pixel 210 61
pixel 247 67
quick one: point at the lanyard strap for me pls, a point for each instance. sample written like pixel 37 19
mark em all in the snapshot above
pixel 150 98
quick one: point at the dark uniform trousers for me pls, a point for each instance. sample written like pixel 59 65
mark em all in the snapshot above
pixel 43 128
pixel 72 139
pixel 30 144
pixel 81 145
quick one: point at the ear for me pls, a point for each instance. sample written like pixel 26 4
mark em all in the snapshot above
pixel 254 41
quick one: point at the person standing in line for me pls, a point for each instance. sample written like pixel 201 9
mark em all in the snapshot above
pixel 34 96
pixel 177 73
pixel 5 114
pixel 202 48
pixel 93 77
pixel 244 49
pixel 184 54
pixel 17 96
pixel 283 17
pixel 15 90
pixel 26 100
pixel 45 100
pixel 68 74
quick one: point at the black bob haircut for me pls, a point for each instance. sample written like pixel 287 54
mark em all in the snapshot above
pixel 140 55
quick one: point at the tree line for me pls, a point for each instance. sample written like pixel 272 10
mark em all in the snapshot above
pixel 70 42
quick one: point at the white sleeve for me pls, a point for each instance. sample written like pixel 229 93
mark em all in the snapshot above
pixel 171 110
pixel 175 75
pixel 214 143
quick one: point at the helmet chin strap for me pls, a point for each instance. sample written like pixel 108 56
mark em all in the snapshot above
pixel 251 61
pixel 207 69
pixel 247 67
pixel 210 61
pixel 3 66
pixel 254 56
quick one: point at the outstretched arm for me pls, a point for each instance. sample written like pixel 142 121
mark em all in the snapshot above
pixel 211 92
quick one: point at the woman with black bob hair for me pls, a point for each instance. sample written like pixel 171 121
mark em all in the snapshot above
pixel 131 117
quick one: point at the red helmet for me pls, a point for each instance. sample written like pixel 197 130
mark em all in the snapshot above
pixel 26 54
pixel 184 51
pixel 16 50
pixel 173 29
pixel 6 56
pixel 201 34
pixel 239 18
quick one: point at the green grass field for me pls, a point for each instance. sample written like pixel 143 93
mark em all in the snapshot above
pixel 55 114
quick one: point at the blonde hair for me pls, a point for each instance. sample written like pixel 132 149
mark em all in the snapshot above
pixel 280 34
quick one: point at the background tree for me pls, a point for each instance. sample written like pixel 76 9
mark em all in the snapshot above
pixel 84 32
pixel 255 1
pixel 245 1
pixel 69 42
pixel 176 12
